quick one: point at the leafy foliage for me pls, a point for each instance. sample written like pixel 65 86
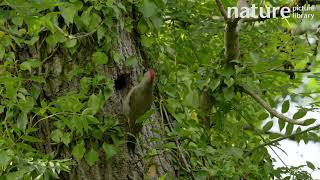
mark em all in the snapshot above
pixel 200 97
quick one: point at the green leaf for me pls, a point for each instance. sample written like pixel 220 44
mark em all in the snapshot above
pixel 31 130
pixel 228 93
pixel 148 8
pixel 66 138
pixel 305 138
pixel 116 57
pixel 32 41
pixel 47 21
pixel 300 114
pixel 289 128
pixel 70 43
pixel 229 82
pixel 38 79
pixel 169 145
pixel 202 175
pixel 22 121
pixel 274 136
pixel 101 32
pixel 214 84
pixel 95 103
pixel 281 123
pixel 132 62
pixel 109 150
pixel 95 21
pixel 267 126
pixel 29 64
pixel 142 26
pixel 5 158
pixel 92 157
pixel 2 51
pixel 17 20
pixel 157 21
pixel 100 58
pixel 78 151
pixel 147 41
pixel 145 116
pixel 285 106
pixel 310 165
pixel 86 17
pixel 24 146
pixel 309 121
pixel 30 139
pixel 313 135
pixel 298 137
pixel 17 175
pixel 56 135
pixel 263 116
pixel 51 40
pixel 85 83
pixel 68 14
pixel 70 102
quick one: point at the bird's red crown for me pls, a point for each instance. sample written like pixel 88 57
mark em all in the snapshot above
pixel 152 74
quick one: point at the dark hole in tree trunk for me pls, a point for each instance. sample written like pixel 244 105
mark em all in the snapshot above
pixel 121 81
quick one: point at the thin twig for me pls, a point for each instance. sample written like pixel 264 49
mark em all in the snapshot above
pixel 52 115
pixel 78 35
pixel 53 52
pixel 64 33
pixel 264 140
pixel 284 137
pixel 259 134
pixel 267 107
pixel 307 38
pixel 222 10
pixel 177 142
pixel 305 70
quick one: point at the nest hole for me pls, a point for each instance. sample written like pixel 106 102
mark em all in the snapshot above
pixel 121 81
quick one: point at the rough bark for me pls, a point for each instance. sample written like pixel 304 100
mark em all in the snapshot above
pixel 121 166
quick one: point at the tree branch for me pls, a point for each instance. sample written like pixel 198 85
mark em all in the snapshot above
pixel 50 56
pixel 222 10
pixel 293 138
pixel 78 35
pixel 252 128
pixel 305 70
pixel 267 107
pixel 284 137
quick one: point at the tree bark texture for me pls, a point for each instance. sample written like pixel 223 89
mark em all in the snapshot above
pixel 122 166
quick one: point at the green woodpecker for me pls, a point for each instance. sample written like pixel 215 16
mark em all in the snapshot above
pixel 136 103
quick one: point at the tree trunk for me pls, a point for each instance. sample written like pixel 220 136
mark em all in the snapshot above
pixel 123 166
pixel 57 65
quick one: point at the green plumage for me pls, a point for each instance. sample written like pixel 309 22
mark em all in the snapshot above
pixel 136 103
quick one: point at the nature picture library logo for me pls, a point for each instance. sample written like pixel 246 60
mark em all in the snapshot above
pixel 272 12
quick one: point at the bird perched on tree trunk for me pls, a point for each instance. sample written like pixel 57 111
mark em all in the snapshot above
pixel 136 103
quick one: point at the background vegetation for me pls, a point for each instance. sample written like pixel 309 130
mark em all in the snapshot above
pixel 65 65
